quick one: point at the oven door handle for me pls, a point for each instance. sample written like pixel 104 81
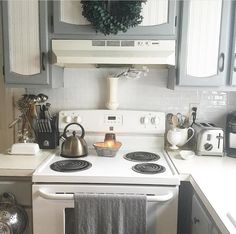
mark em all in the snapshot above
pixel 70 196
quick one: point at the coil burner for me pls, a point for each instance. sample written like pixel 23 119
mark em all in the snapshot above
pixel 148 168
pixel 70 165
pixel 140 156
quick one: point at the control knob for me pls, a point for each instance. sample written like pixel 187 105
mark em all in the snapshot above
pixel 67 119
pixel 208 147
pixel 77 119
pixel 155 120
pixel 144 120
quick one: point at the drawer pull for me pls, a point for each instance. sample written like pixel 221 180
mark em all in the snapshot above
pixel 235 62
pixel 221 62
pixel 43 61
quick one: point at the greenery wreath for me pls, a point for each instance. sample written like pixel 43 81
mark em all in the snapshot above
pixel 112 16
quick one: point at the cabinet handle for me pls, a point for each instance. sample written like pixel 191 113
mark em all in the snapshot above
pixel 195 220
pixel 235 62
pixel 43 61
pixel 70 196
pixel 221 58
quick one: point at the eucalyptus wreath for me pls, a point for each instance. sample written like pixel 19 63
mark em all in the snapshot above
pixel 112 16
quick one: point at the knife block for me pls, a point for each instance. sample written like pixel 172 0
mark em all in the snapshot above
pixel 49 139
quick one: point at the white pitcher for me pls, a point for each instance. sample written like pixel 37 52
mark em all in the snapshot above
pixel 179 136
pixel 185 137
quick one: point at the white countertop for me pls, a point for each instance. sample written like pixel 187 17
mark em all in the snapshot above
pixel 213 178
pixel 21 165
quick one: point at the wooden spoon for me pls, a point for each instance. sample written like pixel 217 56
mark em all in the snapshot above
pixel 175 121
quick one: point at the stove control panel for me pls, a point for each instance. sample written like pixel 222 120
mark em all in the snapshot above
pixel 150 120
pixel 122 121
pixel 114 119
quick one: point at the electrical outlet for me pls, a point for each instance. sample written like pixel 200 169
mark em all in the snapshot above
pixel 191 105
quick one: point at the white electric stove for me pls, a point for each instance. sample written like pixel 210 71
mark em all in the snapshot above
pixel 138 131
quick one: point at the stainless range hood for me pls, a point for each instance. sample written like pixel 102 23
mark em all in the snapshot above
pixel 77 52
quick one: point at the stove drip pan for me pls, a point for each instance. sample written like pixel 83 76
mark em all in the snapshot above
pixel 70 165
pixel 148 168
pixel 141 156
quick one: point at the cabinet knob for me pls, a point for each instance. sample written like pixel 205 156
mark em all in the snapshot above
pixel 221 62
pixel 235 62
pixel 43 61
pixel 196 220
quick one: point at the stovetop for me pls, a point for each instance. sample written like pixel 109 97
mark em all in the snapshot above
pixel 141 131
pixel 108 170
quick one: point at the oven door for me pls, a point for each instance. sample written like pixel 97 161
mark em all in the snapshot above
pixel 53 206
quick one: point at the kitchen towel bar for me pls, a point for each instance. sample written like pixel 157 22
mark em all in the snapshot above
pixel 70 196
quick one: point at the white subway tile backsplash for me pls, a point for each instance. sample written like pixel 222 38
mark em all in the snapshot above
pixel 86 88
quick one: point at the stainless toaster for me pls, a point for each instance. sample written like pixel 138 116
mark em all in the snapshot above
pixel 208 139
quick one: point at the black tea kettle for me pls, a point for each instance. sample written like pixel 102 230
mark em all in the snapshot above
pixel 74 146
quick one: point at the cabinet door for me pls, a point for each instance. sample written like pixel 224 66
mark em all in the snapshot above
pixel 158 19
pixel 25 34
pixel 233 57
pixel 203 43
pixel 201 223
pixel 215 230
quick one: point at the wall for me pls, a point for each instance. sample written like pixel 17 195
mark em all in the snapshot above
pixel 86 88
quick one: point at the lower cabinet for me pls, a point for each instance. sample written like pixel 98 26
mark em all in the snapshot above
pixel 201 221
pixel 21 188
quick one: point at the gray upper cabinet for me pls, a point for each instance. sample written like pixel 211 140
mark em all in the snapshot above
pixel 159 19
pixel 203 43
pixel 233 54
pixel 26 44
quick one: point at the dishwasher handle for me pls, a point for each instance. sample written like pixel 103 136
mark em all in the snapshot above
pixel 70 196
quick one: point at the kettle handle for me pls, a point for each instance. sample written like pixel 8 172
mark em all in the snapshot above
pixel 82 134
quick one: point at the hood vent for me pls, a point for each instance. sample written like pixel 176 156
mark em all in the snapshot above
pixel 72 52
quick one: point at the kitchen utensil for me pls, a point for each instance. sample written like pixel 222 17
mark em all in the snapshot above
pixel 48 114
pixel 169 118
pixel 13 218
pixel 174 137
pixel 103 150
pixel 185 136
pixel 181 119
pixel 208 139
pixel 109 147
pixel 42 98
pixel 175 121
pixel 74 146
pixel 230 142
pixel 15 121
